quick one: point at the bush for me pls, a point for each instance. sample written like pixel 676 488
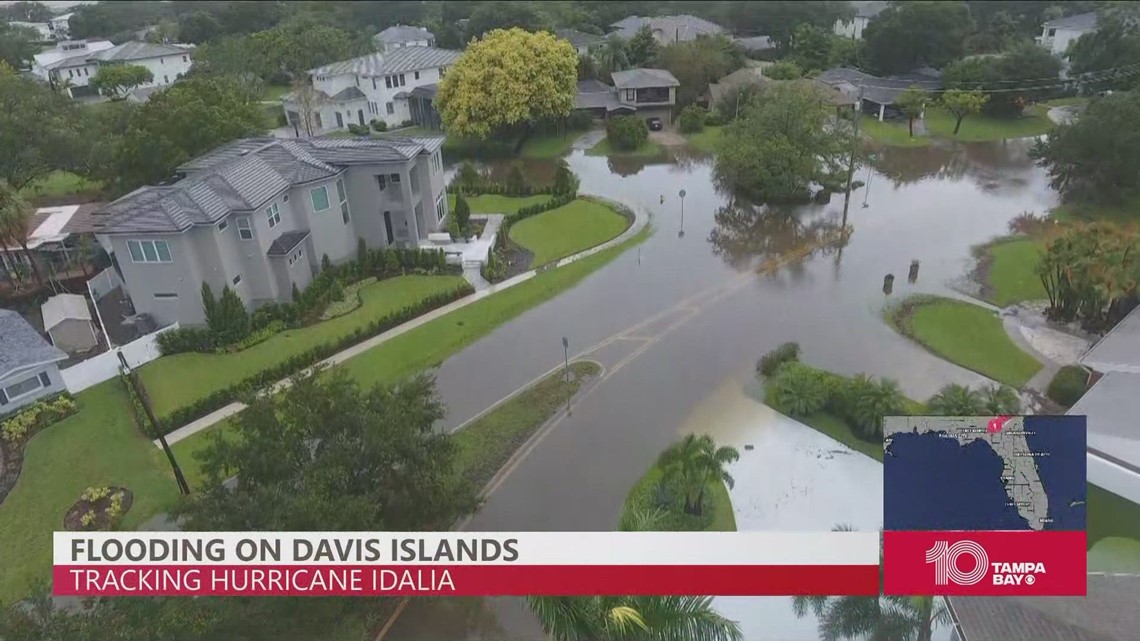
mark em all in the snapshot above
pixel 578 120
pixel 255 337
pixel 565 182
pixel 627 132
pixel 770 362
pixel 516 182
pixel 185 339
pixel 783 70
pixel 453 229
pixel 462 214
pixel 468 177
pixel 273 312
pixel 713 119
pixel 692 119
pixel 379 125
pixel 1068 385
pixel 801 390
pixel 39 415
pixel 358 130
pixel 408 123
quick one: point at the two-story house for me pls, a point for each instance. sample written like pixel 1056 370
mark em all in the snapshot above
pixel 398 36
pixel 649 92
pixel 72 65
pixel 1057 35
pixel 65 65
pixel 60 26
pixel 259 214
pixel 667 30
pixel 372 87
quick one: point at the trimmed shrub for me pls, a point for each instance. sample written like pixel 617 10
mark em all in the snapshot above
pixel 255 337
pixel 627 132
pixel 379 125
pixel 34 418
pixel 770 362
pixel 358 130
pixel 783 70
pixel 692 119
pixel 274 312
pixel 462 214
pixel 1069 384
pixel 565 182
pixel 408 123
pixel 578 120
pixel 713 119
pixel 229 322
pixel 185 339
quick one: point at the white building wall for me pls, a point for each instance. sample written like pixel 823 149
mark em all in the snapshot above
pixel 383 46
pixel 166 69
pixel 380 92
pixel 105 366
pixel 852 29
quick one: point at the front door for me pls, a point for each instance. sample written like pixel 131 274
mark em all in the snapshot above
pixel 388 226
pixel 339 121
pixel 360 114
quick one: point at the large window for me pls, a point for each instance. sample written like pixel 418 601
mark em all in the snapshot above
pixel 342 195
pixel 149 251
pixel 320 198
pixel 245 230
pixel 24 387
pixel 390 108
pixel 653 94
pixel 439 208
pixel 273 215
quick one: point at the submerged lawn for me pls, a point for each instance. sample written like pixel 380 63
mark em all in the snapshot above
pixel 569 229
pixel 966 334
pixel 982 128
pixel 99 446
pixel 706 139
pixel 604 148
pixel 174 381
pixel 549 145
pixel 1011 276
pixel 892 134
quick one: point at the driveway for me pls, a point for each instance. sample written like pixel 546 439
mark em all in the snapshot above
pixel 668 138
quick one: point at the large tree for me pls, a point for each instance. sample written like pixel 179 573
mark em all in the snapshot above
pixel 778 20
pixel 811 47
pixel 198 27
pixel 118 20
pixel 18 44
pixel 1011 81
pixel 696 463
pixel 1097 158
pixel 1096 55
pixel 908 35
pixel 508 79
pixel 15 224
pixel 37 129
pixel 782 143
pixel 642 48
pixel 28 12
pixel 116 81
pixel 504 15
pixel 698 62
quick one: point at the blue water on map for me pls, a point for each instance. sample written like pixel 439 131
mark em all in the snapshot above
pixel 1063 475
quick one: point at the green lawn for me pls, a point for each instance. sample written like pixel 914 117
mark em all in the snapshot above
pixel 966 334
pixel 549 145
pixel 1010 277
pixel 604 148
pixel 98 446
pixel 186 451
pixel 706 139
pixel 428 345
pixel 982 128
pixel 175 381
pixel 60 183
pixel 273 111
pixel 892 134
pixel 494 204
pixel 275 92
pixel 569 229
pixel 723 519
pixel 488 443
pixel 1127 212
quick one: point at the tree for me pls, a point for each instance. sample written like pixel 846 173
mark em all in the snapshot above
pixel 602 618
pixel 800 389
pixel 508 79
pixel 871 402
pixel 15 219
pixel 1027 68
pixel 117 20
pixel 811 47
pixel 962 103
pixel 955 400
pixel 1097 158
pixel 504 15
pixel 37 130
pixel 462 213
pixel 1115 43
pixel 516 182
pixel 781 144
pixel 18 44
pixel 698 62
pixel 912 103
pixel 198 27
pixel 565 182
pixel 779 19
pixel 642 48
pixel 626 132
pixel 909 35
pixel 1000 400
pixel 695 462
pixel 691 119
pixel 306 99
pixel 783 70
pixel 116 81
pixel 611 57
pixel 1091 273
pixel 29 12
pixel 326 455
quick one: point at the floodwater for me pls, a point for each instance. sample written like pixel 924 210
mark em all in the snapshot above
pixel 715 302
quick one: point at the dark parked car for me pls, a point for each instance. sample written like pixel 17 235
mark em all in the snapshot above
pixel 654 124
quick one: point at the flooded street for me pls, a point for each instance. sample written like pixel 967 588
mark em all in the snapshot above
pixel 715 305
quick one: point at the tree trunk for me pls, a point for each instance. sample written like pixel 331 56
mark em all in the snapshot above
pixel 32 263
pixel 10 270
pixel 910 125
pixel 925 613
pixel 958 124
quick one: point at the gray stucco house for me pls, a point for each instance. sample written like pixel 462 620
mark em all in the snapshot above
pixel 645 92
pixel 667 30
pixel 258 215
pixel 29 365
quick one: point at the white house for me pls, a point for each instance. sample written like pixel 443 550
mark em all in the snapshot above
pixel 1057 35
pixel 42 28
pixel 372 87
pixel 29 365
pixel 60 26
pixel 75 63
pixel 166 63
pixel 398 36
pixel 864 13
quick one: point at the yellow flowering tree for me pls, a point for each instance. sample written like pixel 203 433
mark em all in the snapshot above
pixel 508 78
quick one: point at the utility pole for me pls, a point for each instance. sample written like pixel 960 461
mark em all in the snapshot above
pixel 144 400
pixel 854 150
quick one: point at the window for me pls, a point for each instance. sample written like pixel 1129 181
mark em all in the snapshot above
pixel 285 198
pixel 86 72
pixel 237 279
pixel 417 75
pixel 184 59
pixel 390 108
pixel 69 74
pixel 25 387
pixel 165 79
pixel 402 80
pixel 1052 32
pixel 317 118
pixel 165 295
pixel 395 178
pixel 388 81
pixel 439 208
pixel 343 197
pixel 162 61
pixel 245 231
pixel 149 251
pixel 296 257
pixel 222 226
pixel 373 82
pixel 382 181
pixel 320 198
pixel 629 95
pixel 273 215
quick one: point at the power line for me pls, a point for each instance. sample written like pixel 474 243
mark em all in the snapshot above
pixel 1057 84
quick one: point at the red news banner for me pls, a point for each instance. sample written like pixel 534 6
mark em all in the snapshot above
pixel 465 564
pixel 985 563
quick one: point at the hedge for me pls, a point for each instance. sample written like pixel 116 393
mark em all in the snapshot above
pixel 268 376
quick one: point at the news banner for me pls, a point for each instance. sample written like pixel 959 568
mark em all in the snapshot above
pixel 949 529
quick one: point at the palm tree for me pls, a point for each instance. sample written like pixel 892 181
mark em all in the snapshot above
pixel 882 618
pixel 1000 399
pixel 800 389
pixel 611 56
pixel 955 400
pixel 15 216
pixel 696 462
pixel 871 401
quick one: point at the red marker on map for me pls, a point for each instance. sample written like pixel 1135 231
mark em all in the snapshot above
pixel 996 423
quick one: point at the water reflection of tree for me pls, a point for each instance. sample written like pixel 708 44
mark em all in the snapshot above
pixel 631 165
pixel 751 236
pixel 996 165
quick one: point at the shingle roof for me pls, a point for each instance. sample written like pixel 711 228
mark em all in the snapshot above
pixel 348 94
pixel 756 43
pixel 1110 408
pixel 286 242
pixel 425 91
pixel 1081 22
pixel 243 175
pixel 136 51
pixel 884 91
pixel 1108 613
pixel 643 79
pixel 23 345
pixel 683 27
pixel 403 33
pixel 579 38
pixel 63 307
pixel 595 94
pixel 399 60
pixel 1119 349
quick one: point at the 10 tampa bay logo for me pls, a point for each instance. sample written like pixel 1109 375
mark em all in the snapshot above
pixel 948 560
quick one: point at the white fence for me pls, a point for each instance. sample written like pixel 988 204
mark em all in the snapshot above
pixel 106 365
pixel 102 283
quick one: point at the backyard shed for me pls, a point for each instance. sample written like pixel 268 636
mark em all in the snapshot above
pixel 67 320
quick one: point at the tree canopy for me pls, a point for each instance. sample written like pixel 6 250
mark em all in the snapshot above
pixel 962 103
pixel 116 81
pixel 18 44
pixel 1114 44
pixel 27 12
pixel 909 35
pixel 698 62
pixel 1029 69
pixel 504 15
pixel 641 50
pixel 37 128
pixel 508 78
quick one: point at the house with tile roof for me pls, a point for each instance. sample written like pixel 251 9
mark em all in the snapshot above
pixel 372 87
pixel 667 30
pixel 399 35
pixel 29 365
pixel 580 40
pixel 75 63
pixel 259 214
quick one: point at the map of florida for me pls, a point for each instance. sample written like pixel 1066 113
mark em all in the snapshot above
pixel 1006 436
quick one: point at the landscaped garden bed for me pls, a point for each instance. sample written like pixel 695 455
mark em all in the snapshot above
pixel 18 429
pixel 99 508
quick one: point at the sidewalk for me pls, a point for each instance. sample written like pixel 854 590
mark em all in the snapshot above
pixel 641 219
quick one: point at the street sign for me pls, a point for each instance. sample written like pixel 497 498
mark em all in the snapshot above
pixel 565 342
pixel 682 194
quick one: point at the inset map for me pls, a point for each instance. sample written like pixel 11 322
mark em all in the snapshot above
pixel 984 473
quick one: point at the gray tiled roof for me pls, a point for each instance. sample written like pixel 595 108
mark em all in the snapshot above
pixel 403 33
pixel 1119 350
pixel 595 94
pixel 348 94
pixel 1108 613
pixel 1111 407
pixel 23 345
pixel 756 43
pixel 243 175
pixel 579 38
pixel 399 60
pixel 136 51
pixel 285 243
pixel 683 27
pixel 425 91
pixel 643 79
pixel 1081 21
pixel 884 91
